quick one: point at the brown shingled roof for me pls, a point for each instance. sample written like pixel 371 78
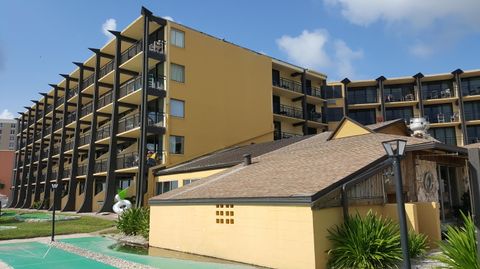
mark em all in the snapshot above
pixel 230 156
pixel 298 170
pixel 380 125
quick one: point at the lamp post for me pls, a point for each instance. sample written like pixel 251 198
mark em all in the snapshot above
pixel 396 150
pixel 54 188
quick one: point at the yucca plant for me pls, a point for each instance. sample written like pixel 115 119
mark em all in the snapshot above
pixel 417 244
pixel 459 250
pixel 134 221
pixel 365 243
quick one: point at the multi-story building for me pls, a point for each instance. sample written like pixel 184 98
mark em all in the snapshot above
pixel 8 132
pixel 158 94
pixel 450 102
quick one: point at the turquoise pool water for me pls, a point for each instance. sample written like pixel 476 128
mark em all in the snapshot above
pixel 103 245
pixel 34 255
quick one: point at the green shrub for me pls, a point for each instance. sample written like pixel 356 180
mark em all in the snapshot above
pixel 417 244
pixel 37 204
pixel 460 249
pixel 134 221
pixel 366 243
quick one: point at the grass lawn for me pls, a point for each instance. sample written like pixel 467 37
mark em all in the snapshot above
pixel 85 224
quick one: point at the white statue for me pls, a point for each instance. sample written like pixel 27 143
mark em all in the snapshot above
pixel 419 126
pixel 121 205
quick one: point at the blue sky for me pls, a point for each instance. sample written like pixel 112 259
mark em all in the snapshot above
pixel 359 39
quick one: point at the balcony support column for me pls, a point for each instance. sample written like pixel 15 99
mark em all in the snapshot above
pixel 458 81
pixel 345 83
pixel 50 161
pixel 72 188
pixel 111 179
pixel 16 179
pixel 89 180
pixel 380 82
pixel 42 147
pixel 21 198
pixel 142 175
pixel 418 79
pixel 28 196
pixel 304 101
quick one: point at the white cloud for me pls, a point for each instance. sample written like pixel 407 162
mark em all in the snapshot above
pixel 421 50
pixel 312 49
pixel 6 114
pixel 168 18
pixel 109 24
pixel 428 21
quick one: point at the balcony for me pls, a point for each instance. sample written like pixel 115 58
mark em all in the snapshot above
pixel 54 175
pixel 131 51
pixel 129 123
pixel 288 84
pixel 107 68
pixel 315 116
pixel 101 165
pixel 365 98
pixel 407 97
pixel 289 111
pixel 68 145
pixel 86 109
pixel 66 173
pixel 56 150
pixel 277 134
pixel 314 91
pixel 60 100
pixel 71 117
pixel 442 117
pixel 58 125
pixel 82 170
pixel 105 99
pixel 131 86
pixel 127 160
pixel 89 80
pixel 103 132
pixel 84 139
pixel 72 92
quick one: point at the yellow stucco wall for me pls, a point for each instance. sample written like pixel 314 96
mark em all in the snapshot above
pixel 349 128
pixel 192 175
pixel 227 94
pixel 272 236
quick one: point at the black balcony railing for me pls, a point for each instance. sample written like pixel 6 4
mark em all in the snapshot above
pixel 131 51
pixel 82 170
pixel 54 175
pixel 315 116
pixel 129 123
pixel 84 139
pixel 71 117
pixel 288 84
pixel 105 99
pixel 283 135
pixel 66 173
pixel 56 150
pixel 72 92
pixel 131 86
pixel 442 117
pixel 86 109
pixel 156 82
pixel 155 119
pixel 45 153
pixel 89 80
pixel 60 100
pixel 437 94
pixel 69 144
pixel 289 111
pixel 101 165
pixel 103 132
pixel 127 160
pixel 58 124
pixel 107 68
pixel 314 91
pixel 408 96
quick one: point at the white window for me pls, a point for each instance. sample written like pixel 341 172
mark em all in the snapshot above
pixel 177 38
pixel 163 187
pixel 12 131
pixel 177 108
pixel 177 72
pixel 176 144
pixel 188 181
pixel 12 138
pixel 13 125
pixel 11 145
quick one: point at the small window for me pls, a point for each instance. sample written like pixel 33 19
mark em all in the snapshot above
pixel 188 181
pixel 13 125
pixel 176 144
pixel 177 72
pixel 177 38
pixel 99 186
pixel 12 131
pixel 166 186
pixel 177 108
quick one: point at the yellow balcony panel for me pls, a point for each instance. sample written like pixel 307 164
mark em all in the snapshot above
pixel 103 141
pixel 84 146
pixel 287 119
pixel 471 98
pixel 133 98
pixel 136 63
pixel 108 109
pixel 440 101
pixel 71 124
pixel 284 92
pixel 108 78
pixel 314 100
pixel 361 106
pixel 473 122
pixel 128 170
pixel 89 89
pixel 60 107
pixel 73 99
pixel 444 124
pixel 88 117
pixel 133 133
pixel 100 174
pixel 401 103
pixel 135 29
pixel 82 177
